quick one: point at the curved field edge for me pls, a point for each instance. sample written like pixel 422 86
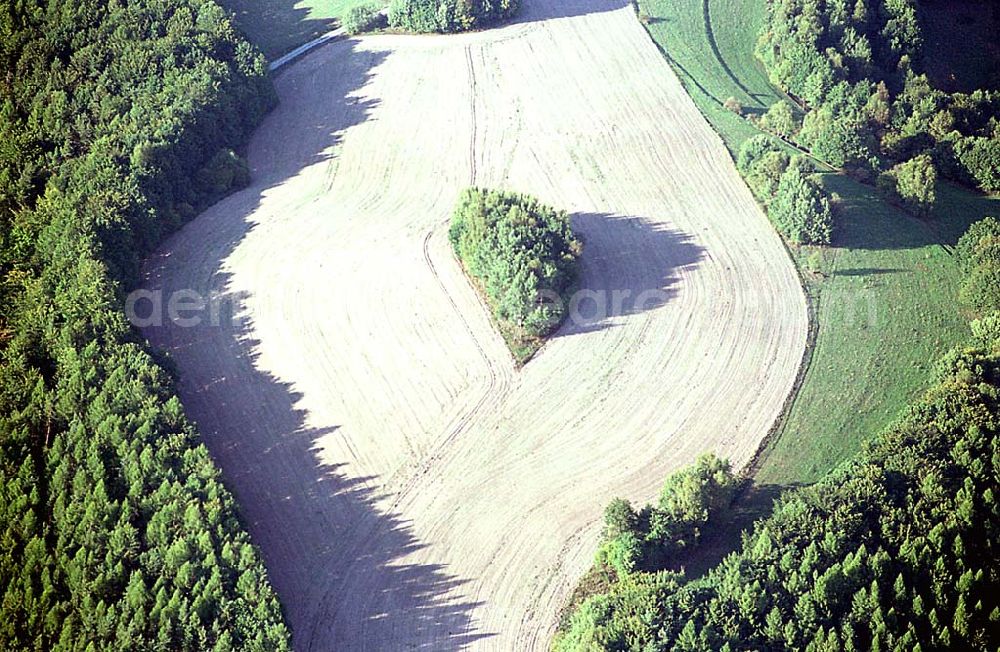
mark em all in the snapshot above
pixel 361 376
pixel 883 294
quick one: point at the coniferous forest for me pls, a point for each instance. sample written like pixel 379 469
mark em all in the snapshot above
pixel 118 122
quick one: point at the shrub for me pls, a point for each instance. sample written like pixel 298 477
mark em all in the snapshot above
pixel 414 16
pixel 753 149
pixel 980 159
pixel 225 172
pixel 978 254
pixel 766 174
pixel 912 183
pixel 733 104
pixel 619 517
pixel 841 141
pixel 915 181
pixel 622 554
pixel 694 494
pixel 449 15
pixel 780 119
pixel 523 254
pixel 362 18
pixel 800 210
pixel 814 263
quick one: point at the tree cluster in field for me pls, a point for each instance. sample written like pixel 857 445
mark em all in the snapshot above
pixel 897 549
pixel 853 65
pixel 449 15
pixel 522 253
pixel 795 202
pixel 117 123
pixel 363 18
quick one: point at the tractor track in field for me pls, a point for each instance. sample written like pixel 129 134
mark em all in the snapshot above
pixel 408 487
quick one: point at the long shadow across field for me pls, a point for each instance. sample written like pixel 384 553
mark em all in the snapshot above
pixel 310 517
pixel 276 26
pixel 535 10
pixel 613 281
pixel 710 34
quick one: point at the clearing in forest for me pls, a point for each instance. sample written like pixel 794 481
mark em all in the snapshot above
pixel 407 485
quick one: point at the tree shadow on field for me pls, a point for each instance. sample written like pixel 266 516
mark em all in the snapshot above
pixel 334 555
pixel 866 221
pixel 724 535
pixel 277 26
pixel 628 266
pixel 536 10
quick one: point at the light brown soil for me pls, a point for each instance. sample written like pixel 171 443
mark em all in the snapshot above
pixel 408 488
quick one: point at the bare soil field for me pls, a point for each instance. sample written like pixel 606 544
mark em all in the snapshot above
pixel 410 489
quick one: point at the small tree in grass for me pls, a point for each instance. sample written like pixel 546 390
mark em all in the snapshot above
pixel 915 181
pixel 780 119
pixel 911 184
pixel 800 210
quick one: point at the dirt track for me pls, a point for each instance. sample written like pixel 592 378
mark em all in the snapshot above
pixel 408 488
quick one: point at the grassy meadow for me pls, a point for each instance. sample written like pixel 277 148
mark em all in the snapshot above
pixel 278 26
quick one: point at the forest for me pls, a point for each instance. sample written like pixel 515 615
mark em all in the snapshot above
pixel 857 100
pixel 523 256
pixel 118 122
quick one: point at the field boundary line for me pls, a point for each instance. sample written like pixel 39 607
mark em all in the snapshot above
pixel 304 49
pixel 777 428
